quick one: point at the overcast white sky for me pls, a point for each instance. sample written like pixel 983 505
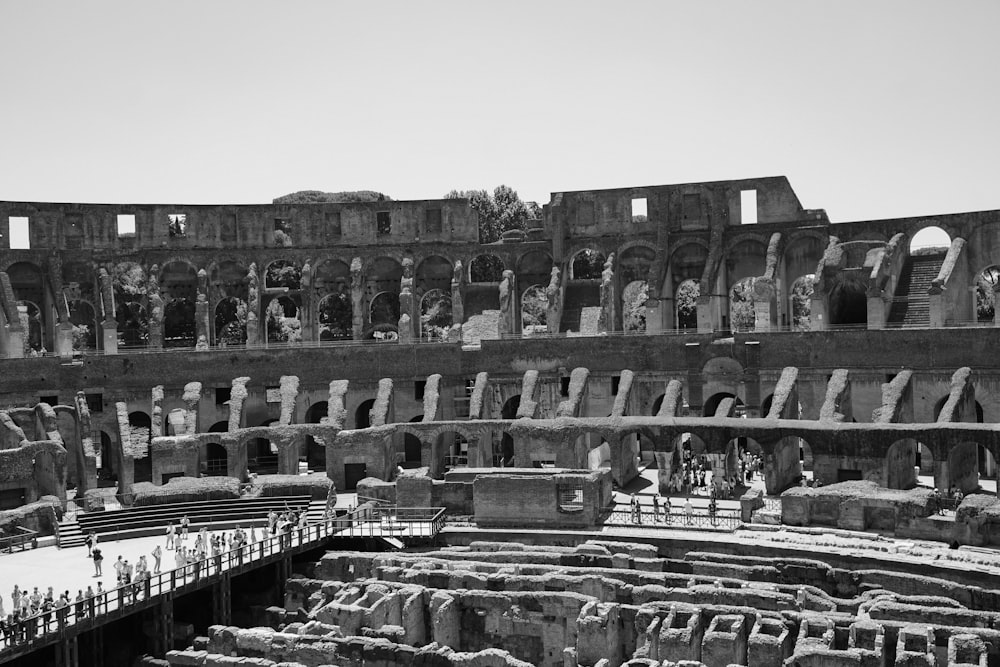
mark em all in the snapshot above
pixel 872 109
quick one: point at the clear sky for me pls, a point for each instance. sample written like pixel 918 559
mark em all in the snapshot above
pixel 873 109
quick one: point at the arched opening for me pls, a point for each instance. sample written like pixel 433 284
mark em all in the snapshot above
pixel 599 457
pixel 336 317
pixel 84 321
pixel 31 322
pixel 657 404
pixel 681 464
pixel 508 411
pixel 686 300
pixel 283 321
pixel 848 303
pixel 262 454
pixel 107 466
pixel 219 427
pixel 140 426
pixel 737 468
pixel 384 309
pixel 533 310
pixel 534 268
pixel 412 447
pixel 231 322
pixel 486 269
pixel 454 447
pixel 901 464
pixel 930 241
pixel 434 273
pixel 316 448
pixel 133 324
pixel 800 298
pixel 384 276
pixel 967 463
pixel 924 463
pixel 282 273
pixel 178 323
pixel 229 279
pixel 363 415
pixel 435 315
pixel 742 316
pixel 216 460
pixel 634 298
pixel 987 284
pixel 784 468
pixel 633 264
pixel 713 403
pixel 587 265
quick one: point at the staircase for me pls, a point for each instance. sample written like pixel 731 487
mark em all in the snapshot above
pixel 70 533
pixel 911 305
pixel 316 511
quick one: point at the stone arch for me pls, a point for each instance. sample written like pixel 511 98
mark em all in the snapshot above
pixel 26 281
pixel 433 273
pixel 78 277
pixel 216 460
pixel 332 276
pixel 107 465
pixel 930 240
pixel 412 446
pixel 634 261
pixel 966 463
pixel 140 426
pixel 900 464
pixel 283 318
pixel 435 314
pixel 83 317
pixel 262 453
pixel 316 449
pixel 508 411
pixel 849 302
pixel 230 321
pixel 634 298
pixel 384 309
pixel 656 405
pixel 179 281
pixel 587 264
pixel 533 310
pixel 33 325
pixel 453 447
pixel 486 268
pixel 336 317
pixel 534 267
pixel 713 402
pixel 362 414
pixel 384 274
pixel 283 273
pixel 219 427
pixel 800 302
pixel 783 467
pixel 686 304
pixel 228 279
pixel 746 257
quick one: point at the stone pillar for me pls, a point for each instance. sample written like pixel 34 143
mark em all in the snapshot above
pixel 478 456
pixel 554 298
pixel 202 328
pixel 936 309
pixel 357 298
pixel 763 303
pixel 818 317
pixel 222 600
pixel 709 307
pixel 307 312
pixel 876 310
pixel 236 459
pixel 457 294
pixel 64 339
pixel 609 297
pixel 109 336
pixel 654 316
pixel 288 453
pixel 253 306
pixel 508 304
pixel 161 618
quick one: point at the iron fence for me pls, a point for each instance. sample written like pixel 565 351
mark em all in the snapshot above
pixel 21 539
pixel 39 629
pixel 647 518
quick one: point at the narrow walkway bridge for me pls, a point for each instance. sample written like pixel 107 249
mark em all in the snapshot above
pixel 394 525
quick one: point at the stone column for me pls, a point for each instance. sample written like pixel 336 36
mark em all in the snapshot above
pixel 357 298
pixel 876 309
pixel 288 453
pixel 457 294
pixel 64 339
pixel 508 301
pixel 307 313
pixel 155 308
pixel 253 306
pixel 202 326
pixel 763 298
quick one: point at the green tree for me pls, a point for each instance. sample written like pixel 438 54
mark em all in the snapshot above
pixel 742 314
pixel 499 212
pixel 320 197
pixel 687 304
pixel 802 291
pixel 985 296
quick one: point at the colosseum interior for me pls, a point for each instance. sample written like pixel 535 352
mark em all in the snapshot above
pixel 378 351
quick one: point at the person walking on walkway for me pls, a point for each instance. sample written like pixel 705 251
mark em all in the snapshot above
pixel 171 534
pixel 185 523
pixel 91 542
pixel 98 560
pixel 157 554
pixel 688 511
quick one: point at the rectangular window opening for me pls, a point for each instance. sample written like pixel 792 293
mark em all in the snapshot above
pixel 418 390
pixel 564 386
pixel 615 381
pixel 639 213
pixel 177 224
pixel 126 225
pixel 95 402
pixel 20 233
pixel 432 223
pixel 281 224
pixel 748 207
pixel 222 395
pixel 383 223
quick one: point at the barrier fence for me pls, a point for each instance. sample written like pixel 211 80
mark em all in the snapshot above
pixel 39 629
pixel 647 518
pixel 21 539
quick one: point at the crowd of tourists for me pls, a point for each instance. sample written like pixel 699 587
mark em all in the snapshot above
pixel 694 476
pixel 199 556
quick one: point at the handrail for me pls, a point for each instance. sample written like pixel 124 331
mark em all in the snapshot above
pixel 648 518
pixel 41 628
pixel 24 536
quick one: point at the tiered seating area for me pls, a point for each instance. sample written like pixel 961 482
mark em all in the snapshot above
pixel 220 514
pixel 607 604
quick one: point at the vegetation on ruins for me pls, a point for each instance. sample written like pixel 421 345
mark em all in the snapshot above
pixel 283 274
pixel 634 298
pixel 283 324
pixel 687 304
pixel 533 310
pixel 435 315
pixel 741 310
pixel 802 291
pixel 320 197
pixel 986 283
pixel 335 317
pixel 231 321
pixel 499 212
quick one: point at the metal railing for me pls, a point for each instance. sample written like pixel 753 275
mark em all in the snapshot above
pixel 22 539
pixel 38 629
pixel 647 518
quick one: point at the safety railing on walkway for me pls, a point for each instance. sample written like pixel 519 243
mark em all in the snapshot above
pixel 38 629
pixel 647 518
pixel 21 540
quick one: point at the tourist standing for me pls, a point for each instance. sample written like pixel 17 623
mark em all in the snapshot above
pixel 171 534
pixel 98 560
pixel 688 511
pixel 157 554
pixel 185 522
